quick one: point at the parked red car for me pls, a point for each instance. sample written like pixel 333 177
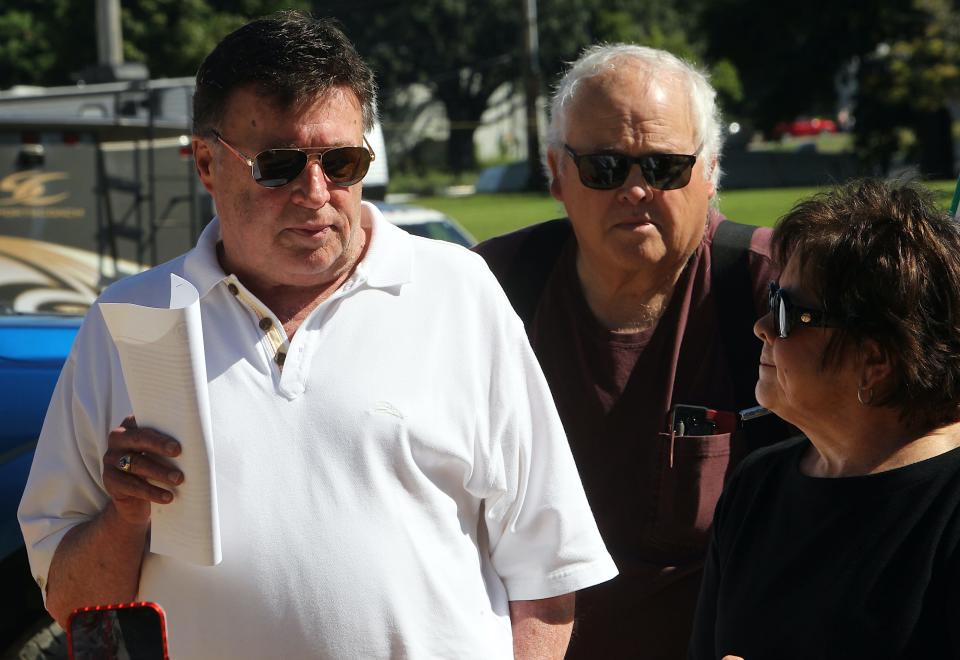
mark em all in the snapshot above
pixel 803 127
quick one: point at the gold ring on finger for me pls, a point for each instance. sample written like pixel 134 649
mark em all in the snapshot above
pixel 125 463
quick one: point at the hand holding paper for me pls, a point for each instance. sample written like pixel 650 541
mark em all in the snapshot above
pixel 138 472
pixel 161 354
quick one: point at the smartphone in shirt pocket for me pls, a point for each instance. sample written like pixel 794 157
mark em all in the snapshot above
pixel 692 458
pixel 685 420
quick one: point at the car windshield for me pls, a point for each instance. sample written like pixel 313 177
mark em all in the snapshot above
pixel 440 230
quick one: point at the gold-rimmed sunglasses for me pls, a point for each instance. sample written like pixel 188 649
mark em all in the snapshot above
pixel 274 168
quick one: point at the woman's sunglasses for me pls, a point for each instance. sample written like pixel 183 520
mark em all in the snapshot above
pixel 787 316
pixel 609 170
pixel 273 168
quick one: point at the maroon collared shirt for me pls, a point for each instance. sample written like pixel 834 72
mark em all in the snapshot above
pixel 614 392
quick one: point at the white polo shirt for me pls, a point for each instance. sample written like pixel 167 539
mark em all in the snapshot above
pixel 383 495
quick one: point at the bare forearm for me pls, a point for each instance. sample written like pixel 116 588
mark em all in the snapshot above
pixel 541 628
pixel 96 563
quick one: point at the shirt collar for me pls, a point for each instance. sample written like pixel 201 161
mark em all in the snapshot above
pixel 201 266
pixel 387 263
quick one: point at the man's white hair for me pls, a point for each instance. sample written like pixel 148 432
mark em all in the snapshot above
pixel 602 58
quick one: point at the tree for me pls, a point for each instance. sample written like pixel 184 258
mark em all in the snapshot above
pixel 907 82
pixel 670 27
pixel 906 50
pixel 173 36
pixel 44 42
pixel 463 51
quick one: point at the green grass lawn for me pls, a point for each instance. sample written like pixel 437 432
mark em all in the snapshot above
pixel 762 206
pixel 490 215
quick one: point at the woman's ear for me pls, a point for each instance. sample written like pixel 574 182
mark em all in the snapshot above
pixel 875 365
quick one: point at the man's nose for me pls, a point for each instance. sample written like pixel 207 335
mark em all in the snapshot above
pixel 635 188
pixel 312 186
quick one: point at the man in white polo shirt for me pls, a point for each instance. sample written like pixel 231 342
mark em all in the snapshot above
pixel 392 476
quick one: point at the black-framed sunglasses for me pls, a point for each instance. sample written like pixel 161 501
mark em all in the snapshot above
pixel 274 168
pixel 787 316
pixel 609 170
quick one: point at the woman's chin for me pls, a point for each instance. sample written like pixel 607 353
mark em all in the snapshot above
pixel 770 400
pixel 765 397
pixel 776 405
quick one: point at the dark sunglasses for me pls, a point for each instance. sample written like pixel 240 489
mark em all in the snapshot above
pixel 788 316
pixel 609 170
pixel 273 168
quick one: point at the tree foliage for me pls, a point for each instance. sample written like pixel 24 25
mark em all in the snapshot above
pixel 907 83
pixel 768 62
pixel 173 36
pixel 45 42
pixel 905 52
pixel 463 51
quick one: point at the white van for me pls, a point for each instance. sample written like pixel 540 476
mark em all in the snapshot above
pixel 375 183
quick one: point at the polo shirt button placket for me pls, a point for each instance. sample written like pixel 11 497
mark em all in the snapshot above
pixel 266 324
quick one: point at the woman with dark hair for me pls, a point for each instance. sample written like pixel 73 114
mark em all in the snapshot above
pixel 846 543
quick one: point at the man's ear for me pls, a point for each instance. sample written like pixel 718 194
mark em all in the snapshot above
pixel 711 186
pixel 203 160
pixel 553 163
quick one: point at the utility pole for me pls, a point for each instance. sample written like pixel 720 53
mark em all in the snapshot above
pixel 531 79
pixel 109 39
pixel 110 66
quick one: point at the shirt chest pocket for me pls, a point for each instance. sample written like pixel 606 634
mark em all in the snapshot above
pixel 685 493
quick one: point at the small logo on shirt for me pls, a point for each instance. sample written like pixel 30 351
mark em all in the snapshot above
pixel 387 408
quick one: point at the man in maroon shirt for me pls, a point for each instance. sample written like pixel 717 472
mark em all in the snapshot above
pixel 628 322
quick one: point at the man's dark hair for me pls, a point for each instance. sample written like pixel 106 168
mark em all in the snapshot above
pixel 884 260
pixel 288 58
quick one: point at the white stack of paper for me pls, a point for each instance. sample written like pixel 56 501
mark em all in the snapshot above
pixel 161 353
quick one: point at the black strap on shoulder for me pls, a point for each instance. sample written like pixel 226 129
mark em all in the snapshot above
pixel 529 271
pixel 731 281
